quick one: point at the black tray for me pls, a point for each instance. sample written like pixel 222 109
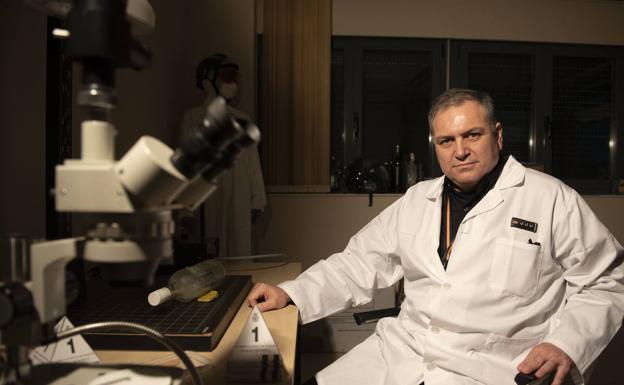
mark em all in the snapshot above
pixel 193 325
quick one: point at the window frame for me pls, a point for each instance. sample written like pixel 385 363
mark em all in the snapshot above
pixel 354 48
pixel 544 54
pixel 587 186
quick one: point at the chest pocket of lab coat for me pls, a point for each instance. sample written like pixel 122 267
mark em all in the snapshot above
pixel 515 267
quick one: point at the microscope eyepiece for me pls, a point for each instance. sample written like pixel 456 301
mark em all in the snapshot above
pixel 204 145
pixel 249 136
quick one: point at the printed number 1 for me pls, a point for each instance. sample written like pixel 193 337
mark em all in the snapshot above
pixel 71 345
pixel 255 332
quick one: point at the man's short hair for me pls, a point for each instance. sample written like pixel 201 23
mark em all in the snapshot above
pixel 458 96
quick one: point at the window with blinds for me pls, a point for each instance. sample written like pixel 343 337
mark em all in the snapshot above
pixel 396 95
pixel 561 105
pixel 509 79
pixel 582 118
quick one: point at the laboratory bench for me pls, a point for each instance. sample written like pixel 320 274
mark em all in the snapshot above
pixel 282 323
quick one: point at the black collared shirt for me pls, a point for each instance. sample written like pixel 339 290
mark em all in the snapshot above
pixel 462 202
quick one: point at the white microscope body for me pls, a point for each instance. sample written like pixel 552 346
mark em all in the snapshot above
pixel 123 208
pixel 125 213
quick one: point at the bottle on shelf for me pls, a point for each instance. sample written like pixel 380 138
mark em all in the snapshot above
pixel 189 283
pixel 396 174
pixel 411 170
pixel 333 179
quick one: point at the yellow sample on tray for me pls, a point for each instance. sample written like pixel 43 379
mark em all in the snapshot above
pixel 211 295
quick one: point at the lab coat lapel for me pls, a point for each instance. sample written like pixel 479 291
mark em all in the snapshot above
pixel 512 175
pixel 492 199
pixel 434 199
pixel 434 193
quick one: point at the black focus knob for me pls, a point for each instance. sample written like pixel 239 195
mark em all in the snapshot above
pixel 7 310
pixel 16 302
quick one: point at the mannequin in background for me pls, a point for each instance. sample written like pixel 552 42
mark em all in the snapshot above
pixel 241 197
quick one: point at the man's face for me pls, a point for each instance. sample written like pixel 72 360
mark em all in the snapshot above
pixel 465 145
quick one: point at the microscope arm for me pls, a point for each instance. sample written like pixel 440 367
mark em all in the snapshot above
pixel 48 260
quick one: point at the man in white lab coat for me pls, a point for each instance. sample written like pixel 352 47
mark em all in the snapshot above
pixel 506 270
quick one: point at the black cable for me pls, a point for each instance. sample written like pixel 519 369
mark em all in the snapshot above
pixel 168 343
pixel 258 256
pixel 253 258
pixel 277 264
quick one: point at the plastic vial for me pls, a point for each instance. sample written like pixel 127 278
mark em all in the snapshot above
pixel 412 170
pixel 189 283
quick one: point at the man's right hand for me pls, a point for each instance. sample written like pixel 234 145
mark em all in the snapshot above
pixel 267 297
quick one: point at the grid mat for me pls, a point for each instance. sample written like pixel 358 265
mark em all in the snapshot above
pixel 105 303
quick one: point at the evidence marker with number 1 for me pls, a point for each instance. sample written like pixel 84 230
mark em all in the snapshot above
pixel 255 357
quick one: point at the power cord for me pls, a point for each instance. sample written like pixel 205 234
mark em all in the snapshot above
pixel 279 259
pixel 168 343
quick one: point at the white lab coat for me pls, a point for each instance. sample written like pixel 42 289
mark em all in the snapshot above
pixel 499 297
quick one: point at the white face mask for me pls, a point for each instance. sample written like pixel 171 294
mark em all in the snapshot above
pixel 228 90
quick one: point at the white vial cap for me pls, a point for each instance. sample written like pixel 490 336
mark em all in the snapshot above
pixel 159 296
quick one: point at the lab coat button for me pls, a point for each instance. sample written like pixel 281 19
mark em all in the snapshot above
pixel 431 366
pixel 435 330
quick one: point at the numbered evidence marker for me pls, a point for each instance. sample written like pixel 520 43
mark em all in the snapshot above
pixel 73 349
pixel 255 357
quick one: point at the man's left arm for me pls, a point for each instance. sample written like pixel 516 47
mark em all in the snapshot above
pixel 594 276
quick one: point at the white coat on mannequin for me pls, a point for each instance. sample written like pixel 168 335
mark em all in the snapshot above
pixel 240 190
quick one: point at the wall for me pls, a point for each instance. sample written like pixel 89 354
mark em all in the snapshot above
pixel 22 119
pixel 149 101
pixel 563 21
pixel 309 227
pixel 228 27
